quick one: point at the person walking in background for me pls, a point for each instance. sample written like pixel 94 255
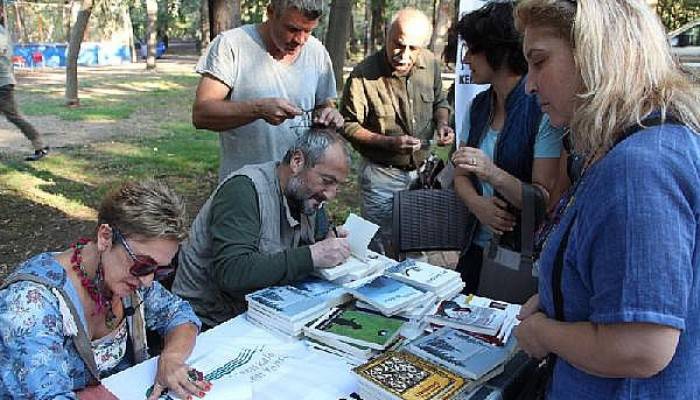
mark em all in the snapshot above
pixel 8 106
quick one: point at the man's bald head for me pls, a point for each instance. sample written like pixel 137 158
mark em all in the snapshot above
pixel 413 21
pixel 408 33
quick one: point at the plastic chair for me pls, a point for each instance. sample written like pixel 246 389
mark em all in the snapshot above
pixel 428 219
pixel 18 62
pixel 37 59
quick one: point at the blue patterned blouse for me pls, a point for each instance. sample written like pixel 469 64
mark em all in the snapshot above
pixel 38 360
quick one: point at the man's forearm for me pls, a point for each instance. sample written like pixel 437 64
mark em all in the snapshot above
pixel 253 270
pixel 366 137
pixel 442 116
pixel 221 115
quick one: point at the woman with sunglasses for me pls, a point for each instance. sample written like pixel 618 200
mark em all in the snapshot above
pixel 619 288
pixel 68 319
pixel 505 140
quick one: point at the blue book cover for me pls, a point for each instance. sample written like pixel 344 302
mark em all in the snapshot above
pixel 387 294
pixel 288 301
pixel 320 288
pixel 461 352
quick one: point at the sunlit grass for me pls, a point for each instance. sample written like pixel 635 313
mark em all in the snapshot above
pixel 34 189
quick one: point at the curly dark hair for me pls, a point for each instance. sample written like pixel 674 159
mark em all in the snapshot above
pixel 490 30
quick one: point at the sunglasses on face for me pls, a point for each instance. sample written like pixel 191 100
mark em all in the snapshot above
pixel 143 265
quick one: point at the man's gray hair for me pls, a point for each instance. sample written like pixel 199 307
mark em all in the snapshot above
pixel 313 145
pixel 312 9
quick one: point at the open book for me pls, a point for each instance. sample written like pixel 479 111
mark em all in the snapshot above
pixel 362 261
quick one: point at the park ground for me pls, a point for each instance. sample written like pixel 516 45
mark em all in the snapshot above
pixel 132 124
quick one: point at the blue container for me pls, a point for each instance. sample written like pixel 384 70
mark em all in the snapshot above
pixel 91 54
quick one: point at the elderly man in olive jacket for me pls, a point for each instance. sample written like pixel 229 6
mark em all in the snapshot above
pixel 394 107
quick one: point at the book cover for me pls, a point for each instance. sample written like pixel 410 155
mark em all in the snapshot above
pixel 290 302
pixel 408 377
pixel 358 327
pixel 422 275
pixel 386 294
pixel 477 319
pixel 460 352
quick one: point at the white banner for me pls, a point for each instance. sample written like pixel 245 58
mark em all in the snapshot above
pixel 464 89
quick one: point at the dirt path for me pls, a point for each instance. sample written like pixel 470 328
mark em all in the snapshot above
pixel 60 133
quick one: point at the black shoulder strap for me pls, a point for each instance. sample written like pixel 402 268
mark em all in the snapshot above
pixel 557 295
pixel 647 123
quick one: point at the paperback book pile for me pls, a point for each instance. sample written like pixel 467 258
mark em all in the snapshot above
pixel 489 320
pixel 400 375
pixel 462 353
pixel 353 334
pixel 442 282
pixel 390 296
pixel 286 309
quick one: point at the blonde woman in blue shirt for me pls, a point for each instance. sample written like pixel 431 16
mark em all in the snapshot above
pixel 628 240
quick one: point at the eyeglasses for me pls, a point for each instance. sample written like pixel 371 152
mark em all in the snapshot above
pixel 305 120
pixel 143 265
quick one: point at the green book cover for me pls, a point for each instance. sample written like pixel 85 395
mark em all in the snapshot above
pixel 360 327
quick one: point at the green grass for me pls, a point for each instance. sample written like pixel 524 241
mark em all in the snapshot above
pixel 111 98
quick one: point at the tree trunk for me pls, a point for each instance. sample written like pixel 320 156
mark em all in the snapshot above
pixel 67 14
pixel 367 39
pixel 377 30
pixel 337 37
pixel 442 23
pixel 205 37
pixel 151 16
pixel 19 24
pixel 132 42
pixel 76 39
pixel 223 15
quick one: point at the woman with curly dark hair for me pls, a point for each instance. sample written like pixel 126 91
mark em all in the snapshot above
pixel 506 141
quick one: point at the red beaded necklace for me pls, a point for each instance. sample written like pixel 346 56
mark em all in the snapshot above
pixel 94 286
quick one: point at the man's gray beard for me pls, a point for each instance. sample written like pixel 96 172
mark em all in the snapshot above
pixel 295 192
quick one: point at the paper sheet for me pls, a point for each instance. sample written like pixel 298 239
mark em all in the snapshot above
pixel 360 233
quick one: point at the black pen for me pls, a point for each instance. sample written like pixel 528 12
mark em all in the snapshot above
pixel 335 231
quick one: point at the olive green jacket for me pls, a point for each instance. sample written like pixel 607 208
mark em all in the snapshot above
pixel 376 99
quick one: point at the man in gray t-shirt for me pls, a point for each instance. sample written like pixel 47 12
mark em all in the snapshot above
pixel 263 85
pixel 8 106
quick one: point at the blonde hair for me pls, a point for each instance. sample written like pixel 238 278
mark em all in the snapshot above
pixel 146 208
pixel 625 66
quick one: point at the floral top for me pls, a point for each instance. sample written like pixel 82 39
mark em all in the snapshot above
pixel 39 361
pixel 109 350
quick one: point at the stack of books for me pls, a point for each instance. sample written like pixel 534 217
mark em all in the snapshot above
pixel 389 296
pixel 462 353
pixel 400 375
pixel 355 268
pixel 353 335
pixel 444 283
pixel 489 320
pixel 287 309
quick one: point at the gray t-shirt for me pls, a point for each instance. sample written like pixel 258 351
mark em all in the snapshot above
pixel 6 75
pixel 239 59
